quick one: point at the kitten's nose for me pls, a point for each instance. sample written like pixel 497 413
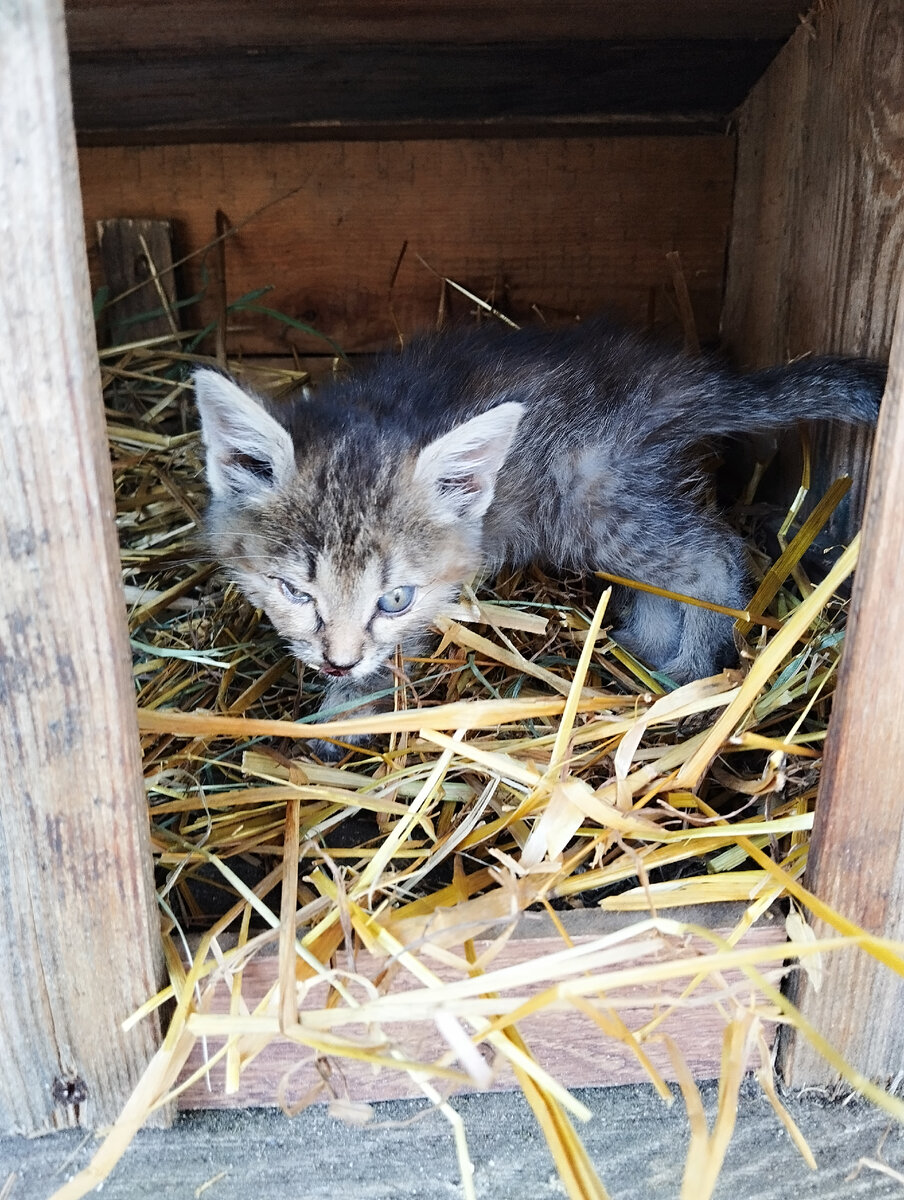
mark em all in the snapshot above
pixel 331 668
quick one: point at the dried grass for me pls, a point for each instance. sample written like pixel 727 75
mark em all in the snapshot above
pixel 529 764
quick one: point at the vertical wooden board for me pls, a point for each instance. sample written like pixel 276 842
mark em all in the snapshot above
pixel 814 265
pixel 818 224
pixel 818 227
pixel 857 854
pixel 569 225
pixel 137 264
pixel 78 932
pixel 770 149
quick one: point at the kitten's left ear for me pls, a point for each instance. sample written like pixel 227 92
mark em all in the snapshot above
pixel 461 466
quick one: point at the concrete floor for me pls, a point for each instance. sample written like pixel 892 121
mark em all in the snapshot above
pixel 637 1144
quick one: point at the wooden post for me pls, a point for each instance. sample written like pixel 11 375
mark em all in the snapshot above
pixel 857 853
pixel 818 224
pixel 79 947
pixel 815 265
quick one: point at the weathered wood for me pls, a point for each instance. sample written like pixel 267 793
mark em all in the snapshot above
pixel 78 935
pixel 566 1043
pixel 818 226
pixel 637 1143
pixel 857 855
pixel 569 225
pixel 117 25
pixel 360 90
pixel 137 259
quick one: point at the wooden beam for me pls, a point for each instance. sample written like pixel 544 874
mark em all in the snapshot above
pixel 857 853
pixel 141 25
pixel 565 1042
pixel 818 226
pixel 78 928
pixel 356 90
pixel 569 225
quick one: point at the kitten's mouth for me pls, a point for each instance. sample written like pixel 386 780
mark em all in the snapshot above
pixel 335 672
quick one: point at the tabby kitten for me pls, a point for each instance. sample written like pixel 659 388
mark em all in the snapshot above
pixel 353 517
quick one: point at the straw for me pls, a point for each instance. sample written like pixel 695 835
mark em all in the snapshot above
pixel 528 763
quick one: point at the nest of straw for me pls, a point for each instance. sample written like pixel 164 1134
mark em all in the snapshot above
pixel 529 764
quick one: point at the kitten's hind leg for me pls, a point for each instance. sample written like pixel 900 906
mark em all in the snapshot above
pixel 650 628
pixel 692 552
pixel 707 642
pixel 707 646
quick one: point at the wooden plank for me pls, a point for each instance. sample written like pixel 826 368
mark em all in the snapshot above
pixel 78 928
pixel 857 854
pixel 566 1043
pixel 356 89
pixel 569 225
pixel 637 1143
pixel 818 227
pixel 137 260
pixel 118 25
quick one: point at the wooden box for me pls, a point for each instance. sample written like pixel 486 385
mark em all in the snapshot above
pixel 720 158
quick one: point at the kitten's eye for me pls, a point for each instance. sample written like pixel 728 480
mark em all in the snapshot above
pixel 397 601
pixel 296 595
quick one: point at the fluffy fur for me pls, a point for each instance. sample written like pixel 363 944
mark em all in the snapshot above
pixel 352 518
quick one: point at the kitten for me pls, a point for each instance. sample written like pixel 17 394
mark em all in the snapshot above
pixel 353 518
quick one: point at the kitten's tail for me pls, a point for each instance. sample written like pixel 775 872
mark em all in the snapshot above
pixel 815 389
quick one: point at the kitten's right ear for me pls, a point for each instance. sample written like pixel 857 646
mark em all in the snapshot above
pixel 249 454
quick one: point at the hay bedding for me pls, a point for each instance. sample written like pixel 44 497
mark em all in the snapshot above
pixel 529 764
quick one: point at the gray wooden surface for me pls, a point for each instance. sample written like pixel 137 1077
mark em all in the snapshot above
pixel 79 931
pixel 637 1144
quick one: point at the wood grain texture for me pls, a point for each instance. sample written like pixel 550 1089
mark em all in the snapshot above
pixel 78 934
pixel 566 1043
pixel 569 225
pixel 116 25
pixel 137 264
pixel 355 90
pixel 818 226
pixel 857 855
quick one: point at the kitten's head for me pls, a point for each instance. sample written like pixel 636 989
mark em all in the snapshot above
pixel 351 538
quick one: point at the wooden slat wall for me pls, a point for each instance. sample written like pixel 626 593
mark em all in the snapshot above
pixel 569 225
pixel 403 89
pixel 857 854
pixel 815 264
pixel 241 70
pixel 115 25
pixel 818 225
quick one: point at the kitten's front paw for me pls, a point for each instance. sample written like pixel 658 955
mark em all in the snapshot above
pixel 352 698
